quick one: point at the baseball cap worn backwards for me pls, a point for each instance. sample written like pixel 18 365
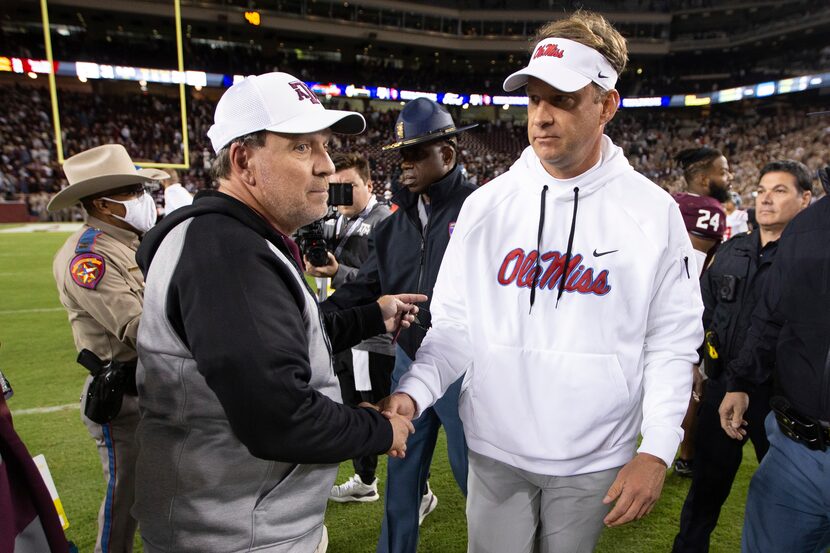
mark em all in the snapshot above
pixel 276 102
pixel 566 65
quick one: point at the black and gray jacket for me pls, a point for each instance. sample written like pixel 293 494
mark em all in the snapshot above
pixel 403 257
pixel 730 288
pixel 241 422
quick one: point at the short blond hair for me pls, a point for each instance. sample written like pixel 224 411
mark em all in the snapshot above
pixel 592 30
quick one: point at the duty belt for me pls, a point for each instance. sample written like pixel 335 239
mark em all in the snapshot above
pixel 798 427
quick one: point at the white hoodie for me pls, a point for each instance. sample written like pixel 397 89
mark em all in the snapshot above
pixel 563 389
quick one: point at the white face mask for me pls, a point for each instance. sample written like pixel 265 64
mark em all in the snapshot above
pixel 141 212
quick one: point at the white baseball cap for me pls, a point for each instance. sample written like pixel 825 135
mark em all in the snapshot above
pixel 566 65
pixel 276 102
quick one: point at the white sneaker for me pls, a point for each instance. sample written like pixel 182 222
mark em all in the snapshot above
pixel 428 503
pixel 354 489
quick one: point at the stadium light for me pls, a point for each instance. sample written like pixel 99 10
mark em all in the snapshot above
pixel 253 18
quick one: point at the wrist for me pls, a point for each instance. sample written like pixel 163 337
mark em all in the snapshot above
pixel 648 457
pixel 408 398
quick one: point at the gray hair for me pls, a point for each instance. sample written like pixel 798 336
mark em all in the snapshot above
pixel 221 166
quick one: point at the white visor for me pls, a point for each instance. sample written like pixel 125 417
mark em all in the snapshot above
pixel 565 65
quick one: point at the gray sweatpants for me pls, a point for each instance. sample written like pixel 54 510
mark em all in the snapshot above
pixel 510 510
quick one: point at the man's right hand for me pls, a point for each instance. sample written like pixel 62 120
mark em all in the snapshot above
pixel 731 412
pixel 401 429
pixel 398 403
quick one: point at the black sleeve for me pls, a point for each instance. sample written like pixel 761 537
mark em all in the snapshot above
pixel 240 311
pixel 345 273
pixel 364 288
pixel 349 327
pixel 756 360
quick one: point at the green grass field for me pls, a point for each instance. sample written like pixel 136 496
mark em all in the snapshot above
pixel 38 357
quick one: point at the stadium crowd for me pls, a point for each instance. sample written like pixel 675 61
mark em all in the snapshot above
pixel 150 127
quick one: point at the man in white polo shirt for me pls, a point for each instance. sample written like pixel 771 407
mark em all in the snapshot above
pixel 581 326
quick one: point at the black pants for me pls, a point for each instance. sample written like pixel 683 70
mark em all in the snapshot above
pixel 380 375
pixel 717 459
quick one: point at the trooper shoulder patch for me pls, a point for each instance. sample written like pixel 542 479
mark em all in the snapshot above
pixel 87 269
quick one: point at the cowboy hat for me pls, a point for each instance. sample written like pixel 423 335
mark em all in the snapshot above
pixel 97 170
pixel 423 120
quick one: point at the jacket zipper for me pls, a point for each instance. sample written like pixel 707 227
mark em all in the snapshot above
pixel 424 233
pixel 320 320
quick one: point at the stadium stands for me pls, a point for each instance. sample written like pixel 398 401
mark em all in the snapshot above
pixel 149 126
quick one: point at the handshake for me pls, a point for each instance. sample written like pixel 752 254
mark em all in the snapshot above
pixel 400 409
pixel 398 312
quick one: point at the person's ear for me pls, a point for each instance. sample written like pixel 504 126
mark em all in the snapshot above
pixel 240 162
pixel 102 205
pixel 609 106
pixel 448 155
pixel 369 185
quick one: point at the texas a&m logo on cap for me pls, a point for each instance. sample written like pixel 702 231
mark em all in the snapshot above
pixel 303 92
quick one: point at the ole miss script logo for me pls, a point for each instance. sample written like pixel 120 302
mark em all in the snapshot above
pixel 548 50
pixel 518 269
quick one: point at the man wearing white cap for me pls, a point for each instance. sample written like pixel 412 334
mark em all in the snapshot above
pixel 101 288
pixel 581 326
pixel 242 427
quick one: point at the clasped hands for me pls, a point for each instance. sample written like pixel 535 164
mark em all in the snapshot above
pixel 398 312
pixel 399 408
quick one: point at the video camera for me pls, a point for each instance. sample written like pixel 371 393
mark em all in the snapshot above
pixel 313 238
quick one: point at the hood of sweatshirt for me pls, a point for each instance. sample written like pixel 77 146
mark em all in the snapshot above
pixel 205 202
pixel 531 174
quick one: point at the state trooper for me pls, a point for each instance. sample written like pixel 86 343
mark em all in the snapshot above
pixel 101 287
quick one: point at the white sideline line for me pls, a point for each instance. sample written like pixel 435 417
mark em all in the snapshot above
pixel 39 410
pixel 34 310
pixel 42 227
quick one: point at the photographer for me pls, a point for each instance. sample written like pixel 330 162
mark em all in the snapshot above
pixel 350 241
pixel 365 371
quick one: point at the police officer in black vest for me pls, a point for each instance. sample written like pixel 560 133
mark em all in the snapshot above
pixel 788 506
pixel 730 289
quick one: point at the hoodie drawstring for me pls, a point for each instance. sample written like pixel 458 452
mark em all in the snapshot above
pixel 569 253
pixel 537 267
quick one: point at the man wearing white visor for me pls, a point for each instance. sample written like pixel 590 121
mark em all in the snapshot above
pixel 242 427
pixel 591 320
